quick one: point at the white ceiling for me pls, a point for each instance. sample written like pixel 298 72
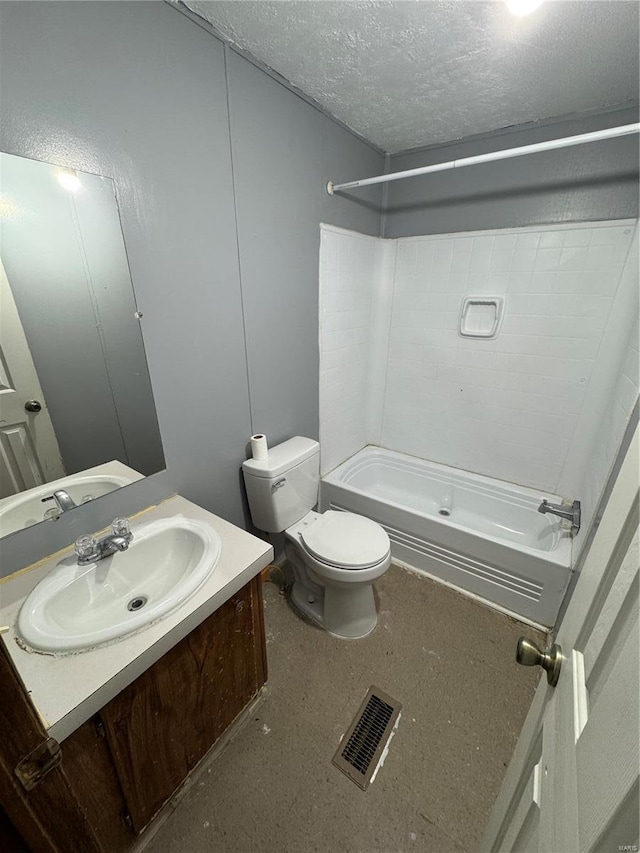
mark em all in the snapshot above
pixel 419 72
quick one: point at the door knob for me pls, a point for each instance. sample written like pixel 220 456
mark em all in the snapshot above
pixel 33 406
pixel 529 654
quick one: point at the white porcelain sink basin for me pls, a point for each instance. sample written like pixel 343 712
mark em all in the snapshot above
pixel 26 508
pixel 79 607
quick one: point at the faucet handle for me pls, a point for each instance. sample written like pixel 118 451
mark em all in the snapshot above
pixel 121 527
pixel 86 546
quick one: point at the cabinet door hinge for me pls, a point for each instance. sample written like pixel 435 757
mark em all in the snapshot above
pixel 38 763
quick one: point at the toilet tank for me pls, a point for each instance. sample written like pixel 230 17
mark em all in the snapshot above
pixel 284 487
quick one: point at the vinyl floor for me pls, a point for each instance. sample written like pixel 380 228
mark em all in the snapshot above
pixel 449 661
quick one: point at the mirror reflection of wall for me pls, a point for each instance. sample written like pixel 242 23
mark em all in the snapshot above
pixel 74 386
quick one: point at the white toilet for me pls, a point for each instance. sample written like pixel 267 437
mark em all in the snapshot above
pixel 335 556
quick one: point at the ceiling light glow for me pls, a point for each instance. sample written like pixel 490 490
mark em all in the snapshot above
pixel 69 180
pixel 9 209
pixel 520 8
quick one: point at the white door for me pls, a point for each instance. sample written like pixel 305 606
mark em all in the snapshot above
pixel 29 452
pixel 572 785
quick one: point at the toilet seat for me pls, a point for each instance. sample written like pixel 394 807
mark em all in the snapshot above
pixel 345 541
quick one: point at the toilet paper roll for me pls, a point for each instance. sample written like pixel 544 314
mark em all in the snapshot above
pixel 259 449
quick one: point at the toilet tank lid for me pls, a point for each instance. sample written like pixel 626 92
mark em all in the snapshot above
pixel 282 457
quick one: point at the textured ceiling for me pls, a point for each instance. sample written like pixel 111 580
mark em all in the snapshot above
pixel 419 72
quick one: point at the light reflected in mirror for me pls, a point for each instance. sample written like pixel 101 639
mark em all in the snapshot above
pixel 77 416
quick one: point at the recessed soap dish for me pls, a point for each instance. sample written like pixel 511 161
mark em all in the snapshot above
pixel 480 316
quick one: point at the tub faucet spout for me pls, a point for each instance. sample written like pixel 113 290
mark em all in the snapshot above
pixel 571 512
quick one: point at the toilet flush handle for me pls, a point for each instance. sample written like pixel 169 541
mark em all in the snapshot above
pixel 278 484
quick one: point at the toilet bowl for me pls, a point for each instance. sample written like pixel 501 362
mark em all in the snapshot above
pixel 335 556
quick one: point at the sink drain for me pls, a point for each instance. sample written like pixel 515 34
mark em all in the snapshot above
pixel 137 602
pixel 444 511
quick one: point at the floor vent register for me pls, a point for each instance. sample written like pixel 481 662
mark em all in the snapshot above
pixel 364 747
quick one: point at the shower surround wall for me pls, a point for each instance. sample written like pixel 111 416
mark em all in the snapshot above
pixel 529 407
pixel 355 306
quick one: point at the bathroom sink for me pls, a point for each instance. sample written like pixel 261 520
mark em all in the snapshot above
pixel 79 607
pixel 26 508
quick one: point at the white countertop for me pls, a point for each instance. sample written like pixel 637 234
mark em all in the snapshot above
pixel 67 690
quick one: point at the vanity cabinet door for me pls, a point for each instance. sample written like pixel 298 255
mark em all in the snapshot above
pixel 9 837
pixel 160 727
pixel 94 784
pixel 48 816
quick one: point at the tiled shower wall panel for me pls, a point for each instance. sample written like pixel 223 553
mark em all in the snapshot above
pixel 347 273
pixel 506 407
pixel 612 404
pixel 616 418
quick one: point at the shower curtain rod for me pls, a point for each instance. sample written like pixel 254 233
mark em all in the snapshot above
pixel 565 142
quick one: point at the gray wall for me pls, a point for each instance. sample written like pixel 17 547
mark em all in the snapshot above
pixel 138 92
pixel 590 182
pixel 281 198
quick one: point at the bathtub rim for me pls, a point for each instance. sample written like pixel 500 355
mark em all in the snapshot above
pixel 561 555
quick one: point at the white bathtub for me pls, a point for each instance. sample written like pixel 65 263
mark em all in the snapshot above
pixel 493 543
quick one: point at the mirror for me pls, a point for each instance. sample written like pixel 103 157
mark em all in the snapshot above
pixel 77 414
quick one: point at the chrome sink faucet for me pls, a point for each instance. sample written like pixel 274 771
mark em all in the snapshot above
pixel 63 500
pixel 90 550
pixel 570 512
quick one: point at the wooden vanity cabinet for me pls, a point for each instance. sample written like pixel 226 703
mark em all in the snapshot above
pixel 160 726
pixel 10 840
pixel 123 765
pixel 91 773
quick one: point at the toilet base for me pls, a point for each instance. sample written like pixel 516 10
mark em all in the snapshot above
pixel 310 609
pixel 345 630
pixel 344 610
